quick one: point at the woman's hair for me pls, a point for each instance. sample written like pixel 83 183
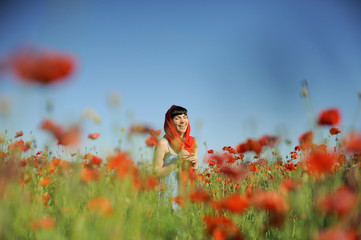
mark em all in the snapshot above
pixel 177 110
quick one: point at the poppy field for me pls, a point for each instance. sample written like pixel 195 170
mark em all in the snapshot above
pixel 247 191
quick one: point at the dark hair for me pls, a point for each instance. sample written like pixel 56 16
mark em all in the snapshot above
pixel 177 110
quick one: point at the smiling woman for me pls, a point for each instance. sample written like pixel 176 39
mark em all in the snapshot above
pixel 176 153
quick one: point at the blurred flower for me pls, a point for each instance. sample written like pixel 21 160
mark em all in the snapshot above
pixel 341 202
pixel 250 145
pixel 43 223
pixel 20 146
pixel 200 196
pixel 352 143
pixel 319 162
pixel 329 117
pixel 334 131
pixel 235 173
pixel 100 204
pixel 89 174
pixel 93 135
pixel 46 181
pixel 178 200
pixel 306 140
pixel 270 141
pixel 235 203
pixel 151 141
pixel 19 134
pixel 304 92
pixel 43 67
pixel 71 137
pixel 221 228
pixel 337 233
pixel 92 115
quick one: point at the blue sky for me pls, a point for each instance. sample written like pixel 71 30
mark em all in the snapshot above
pixel 237 66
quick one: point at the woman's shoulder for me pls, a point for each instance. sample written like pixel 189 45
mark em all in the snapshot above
pixel 163 143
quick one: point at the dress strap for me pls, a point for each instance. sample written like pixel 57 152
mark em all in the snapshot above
pixel 168 145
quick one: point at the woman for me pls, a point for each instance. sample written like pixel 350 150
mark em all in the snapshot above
pixel 177 151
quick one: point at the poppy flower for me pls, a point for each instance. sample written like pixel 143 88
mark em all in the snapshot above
pixel 334 131
pixel 89 174
pixel 101 205
pixel 218 159
pixel 46 181
pixel 199 196
pixel 270 141
pixel 320 162
pixel 151 141
pixel 329 117
pixel 337 233
pixel 43 223
pixel 43 67
pixel 93 136
pixel 235 173
pixel 221 228
pixel 20 146
pixel 19 134
pixel 210 151
pixel 250 145
pixel 148 183
pixel 178 200
pixel 235 203
pixel 341 202
pixel 352 143
pixel 306 140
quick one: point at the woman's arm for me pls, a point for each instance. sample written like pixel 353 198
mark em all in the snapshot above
pixel 158 162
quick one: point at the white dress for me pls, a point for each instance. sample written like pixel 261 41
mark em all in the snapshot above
pixel 171 181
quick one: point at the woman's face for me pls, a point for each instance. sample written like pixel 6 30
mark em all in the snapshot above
pixel 181 123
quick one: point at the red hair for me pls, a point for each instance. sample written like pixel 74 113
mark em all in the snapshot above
pixel 174 138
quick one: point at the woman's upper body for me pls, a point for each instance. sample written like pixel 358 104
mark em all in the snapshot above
pixel 177 142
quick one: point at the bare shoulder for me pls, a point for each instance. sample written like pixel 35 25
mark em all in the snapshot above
pixel 163 143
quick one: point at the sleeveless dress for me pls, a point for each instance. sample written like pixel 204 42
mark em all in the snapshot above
pixel 171 181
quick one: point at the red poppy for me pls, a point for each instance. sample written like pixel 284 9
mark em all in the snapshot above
pixel 100 204
pixel 89 174
pixel 46 181
pixel 178 200
pixel 19 134
pixel 341 202
pixel 200 196
pixel 93 136
pixel 319 162
pixel 210 151
pixel 270 141
pixel 149 183
pixel 43 67
pixel 218 159
pixel 250 145
pixel 306 140
pixel 236 173
pixel 151 141
pixel 334 131
pixel 222 228
pixel 20 146
pixel 43 223
pixel 329 117
pixel 235 203
pixel 122 164
pixel 337 233
pixel 352 143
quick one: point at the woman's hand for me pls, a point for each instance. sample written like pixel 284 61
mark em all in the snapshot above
pixel 192 159
pixel 183 154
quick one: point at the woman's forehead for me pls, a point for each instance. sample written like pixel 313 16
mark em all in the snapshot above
pixel 180 115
